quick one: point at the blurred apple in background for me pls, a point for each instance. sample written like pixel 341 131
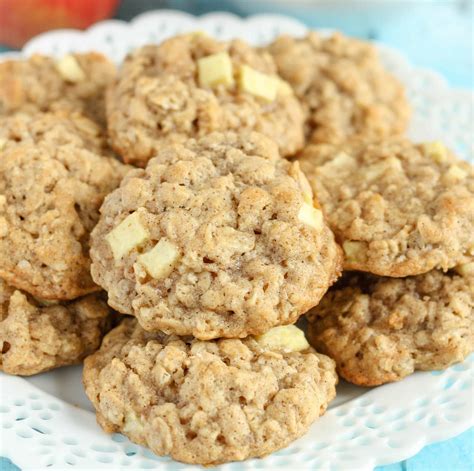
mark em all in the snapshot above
pixel 20 20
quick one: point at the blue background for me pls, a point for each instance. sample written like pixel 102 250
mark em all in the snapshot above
pixel 438 34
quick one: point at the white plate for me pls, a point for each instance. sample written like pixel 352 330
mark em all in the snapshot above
pixel 46 421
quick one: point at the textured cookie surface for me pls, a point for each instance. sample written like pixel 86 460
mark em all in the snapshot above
pixel 49 202
pixel 381 329
pixel 205 402
pixel 75 83
pixel 36 336
pixel 214 239
pixel 342 86
pixel 398 209
pixel 159 97
pixel 53 129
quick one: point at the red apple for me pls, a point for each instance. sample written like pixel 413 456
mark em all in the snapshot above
pixel 20 20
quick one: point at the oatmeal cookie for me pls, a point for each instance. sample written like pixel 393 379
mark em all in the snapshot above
pixel 215 238
pixel 37 336
pixel 343 87
pixel 192 85
pixel 76 82
pixel 382 329
pixel 205 402
pixel 49 202
pixel 54 129
pixel 397 208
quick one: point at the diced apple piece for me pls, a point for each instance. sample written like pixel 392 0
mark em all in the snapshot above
pixel 436 150
pixel 340 162
pixel 215 69
pixel 132 424
pixel 198 34
pixel 354 250
pixel 455 173
pixel 466 269
pixel 283 87
pixel 377 170
pixel 130 233
pixel 70 70
pixel 311 216
pixel 160 260
pixel 287 338
pixel 258 84
pixel 305 188
pixel 303 183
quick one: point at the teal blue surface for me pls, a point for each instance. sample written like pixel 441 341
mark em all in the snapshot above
pixel 7 465
pixel 437 34
pixel 451 455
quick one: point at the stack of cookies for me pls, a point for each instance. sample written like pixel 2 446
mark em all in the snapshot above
pixel 404 215
pixel 260 174
pixel 54 174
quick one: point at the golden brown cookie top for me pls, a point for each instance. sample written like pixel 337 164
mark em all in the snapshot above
pixel 381 329
pixel 205 402
pixel 343 87
pixel 192 85
pixel 215 238
pixel 75 82
pixel 37 336
pixel 397 208
pixel 49 202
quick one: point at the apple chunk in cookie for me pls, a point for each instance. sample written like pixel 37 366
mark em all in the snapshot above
pixel 208 402
pixel 73 83
pixel 160 260
pixel 215 238
pixel 192 85
pixel 216 69
pixel 286 338
pixel 129 234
